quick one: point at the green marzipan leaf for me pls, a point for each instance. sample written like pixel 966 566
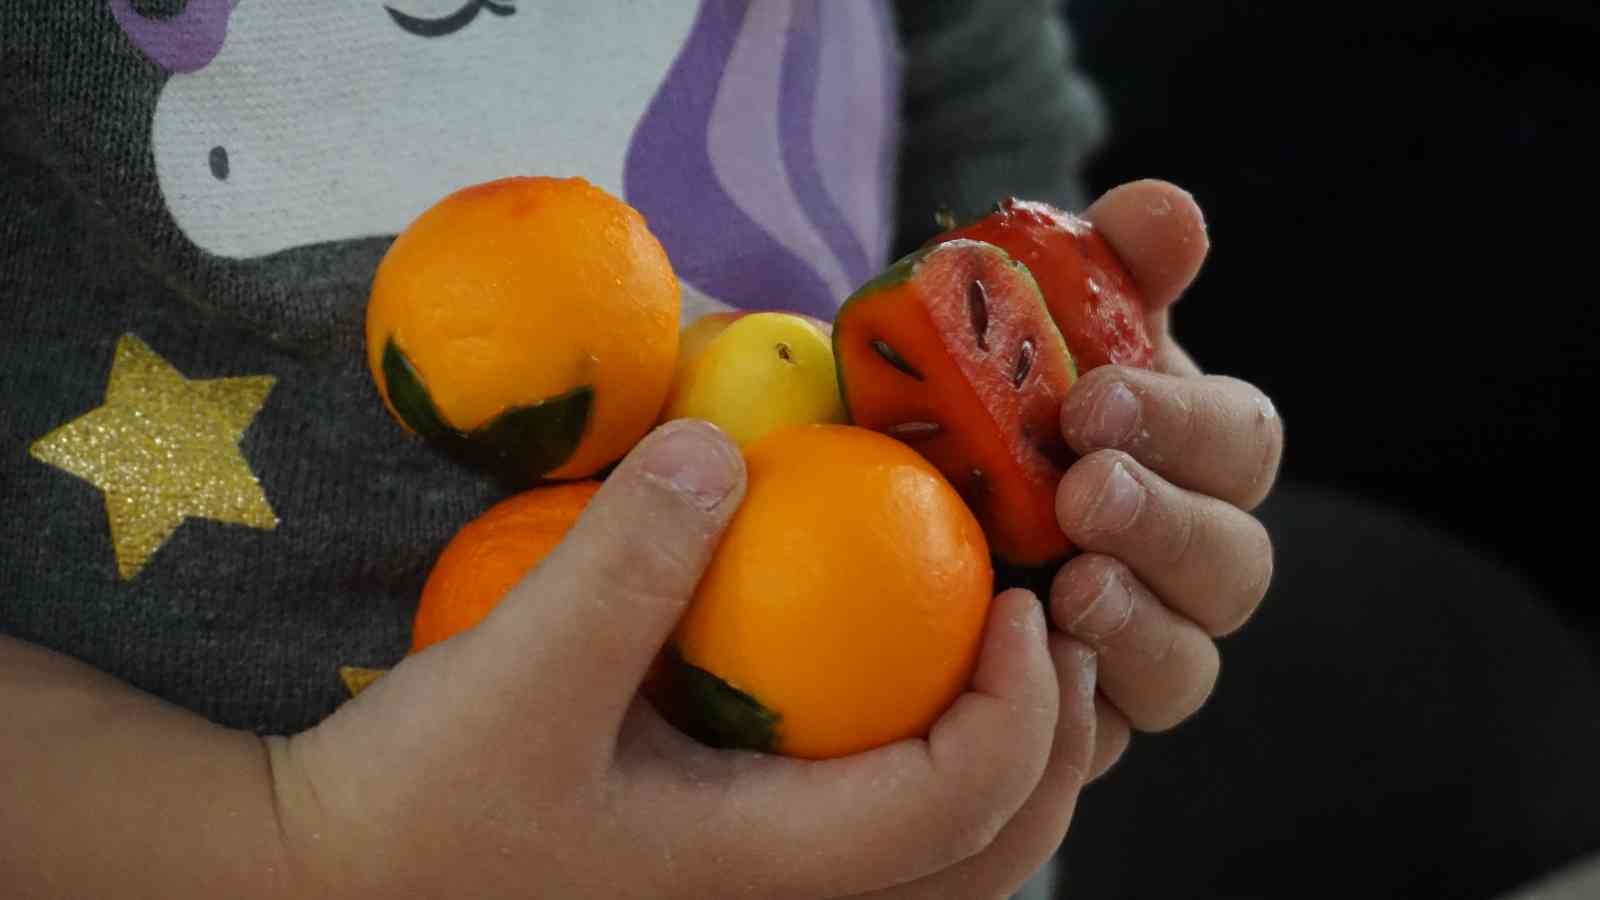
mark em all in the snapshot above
pixel 409 396
pixel 536 439
pixel 526 442
pixel 714 712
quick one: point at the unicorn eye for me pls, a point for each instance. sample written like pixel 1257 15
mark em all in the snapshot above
pixel 423 26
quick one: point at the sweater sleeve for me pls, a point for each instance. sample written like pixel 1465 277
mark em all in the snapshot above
pixel 993 105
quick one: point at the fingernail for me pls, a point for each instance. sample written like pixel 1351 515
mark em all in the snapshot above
pixel 1112 419
pixel 694 460
pixel 1118 502
pixel 1107 613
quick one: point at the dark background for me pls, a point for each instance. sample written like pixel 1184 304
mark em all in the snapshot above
pixel 1404 222
pixel 1405 234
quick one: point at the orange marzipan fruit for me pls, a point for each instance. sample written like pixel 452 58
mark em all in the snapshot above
pixel 490 554
pixel 849 594
pixel 512 293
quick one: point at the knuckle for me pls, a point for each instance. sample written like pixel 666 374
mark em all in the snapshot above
pixel 1163 651
pixel 1268 564
pixel 1194 690
pixel 986 794
pixel 1201 683
pixel 1013 764
pixel 1239 417
pixel 1260 566
pixel 969 813
pixel 1232 622
pixel 1269 431
pixel 1265 567
pixel 1166 710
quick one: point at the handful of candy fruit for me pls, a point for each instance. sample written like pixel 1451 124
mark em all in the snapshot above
pixel 530 325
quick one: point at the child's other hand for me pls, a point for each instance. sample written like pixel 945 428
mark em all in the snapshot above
pixel 516 759
pixel 1173 463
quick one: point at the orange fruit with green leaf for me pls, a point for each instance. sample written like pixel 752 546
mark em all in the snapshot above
pixel 529 324
pixel 843 608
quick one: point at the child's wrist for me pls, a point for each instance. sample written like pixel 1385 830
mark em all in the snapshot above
pixel 315 852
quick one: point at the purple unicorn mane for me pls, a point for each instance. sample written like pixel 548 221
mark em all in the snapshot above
pixel 797 192
pixel 186 42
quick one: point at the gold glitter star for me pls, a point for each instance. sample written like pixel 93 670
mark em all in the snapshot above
pixel 163 449
pixel 358 678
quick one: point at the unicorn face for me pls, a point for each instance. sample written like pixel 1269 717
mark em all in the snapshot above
pixel 755 137
pixel 324 121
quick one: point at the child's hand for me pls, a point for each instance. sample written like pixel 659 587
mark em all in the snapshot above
pixel 1173 462
pixel 516 759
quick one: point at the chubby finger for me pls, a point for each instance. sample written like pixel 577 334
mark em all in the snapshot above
pixel 1156 666
pixel 1029 840
pixel 907 810
pixel 1158 232
pixel 1206 559
pixel 1213 434
pixel 603 602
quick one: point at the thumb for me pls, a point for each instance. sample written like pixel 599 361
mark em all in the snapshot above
pixel 593 615
pixel 1159 233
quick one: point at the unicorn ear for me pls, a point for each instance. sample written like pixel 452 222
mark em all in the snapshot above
pixel 184 43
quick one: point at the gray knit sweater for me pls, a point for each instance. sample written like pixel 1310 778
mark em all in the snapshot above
pixel 203 494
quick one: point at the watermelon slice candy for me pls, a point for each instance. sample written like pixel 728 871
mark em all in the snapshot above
pixel 953 351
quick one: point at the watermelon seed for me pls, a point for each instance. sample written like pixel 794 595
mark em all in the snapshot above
pixel 914 430
pixel 1024 363
pixel 784 353
pixel 978 309
pixel 894 359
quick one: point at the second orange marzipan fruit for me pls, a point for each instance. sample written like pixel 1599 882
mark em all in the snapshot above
pixel 490 554
pixel 844 607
